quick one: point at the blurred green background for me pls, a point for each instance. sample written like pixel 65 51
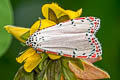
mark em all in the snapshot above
pixel 25 12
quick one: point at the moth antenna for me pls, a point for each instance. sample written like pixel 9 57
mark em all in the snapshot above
pixel 40 23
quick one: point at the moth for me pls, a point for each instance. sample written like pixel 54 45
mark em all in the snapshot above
pixel 73 38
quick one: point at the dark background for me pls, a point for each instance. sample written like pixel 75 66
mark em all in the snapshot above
pixel 26 12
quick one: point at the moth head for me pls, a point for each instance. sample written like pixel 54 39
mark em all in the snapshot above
pixel 34 40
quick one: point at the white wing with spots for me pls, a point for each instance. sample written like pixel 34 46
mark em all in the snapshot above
pixel 75 38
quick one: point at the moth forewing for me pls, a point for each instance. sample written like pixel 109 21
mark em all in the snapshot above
pixel 74 38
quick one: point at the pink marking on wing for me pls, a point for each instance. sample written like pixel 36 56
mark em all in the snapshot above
pixel 97 46
pixel 92 18
pixel 51 52
pixel 95 23
pixel 94 55
pixel 67 55
pixel 92 31
pixel 41 50
pixel 97 50
pixel 81 56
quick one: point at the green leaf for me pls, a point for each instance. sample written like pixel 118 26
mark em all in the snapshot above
pixel 43 72
pixel 23 75
pixel 6 18
pixel 26 35
pixel 44 57
pixel 49 71
pixel 58 70
pixel 45 77
pixel 78 63
pixel 23 44
pixel 52 70
pixel 68 74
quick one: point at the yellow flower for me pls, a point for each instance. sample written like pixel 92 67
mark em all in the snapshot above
pixel 17 31
pixel 53 14
pixel 59 11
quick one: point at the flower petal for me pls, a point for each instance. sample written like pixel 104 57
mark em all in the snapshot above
pixel 31 62
pixel 73 14
pixel 25 55
pixel 17 31
pixel 59 11
pixel 44 24
pixel 54 57
pixel 90 71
